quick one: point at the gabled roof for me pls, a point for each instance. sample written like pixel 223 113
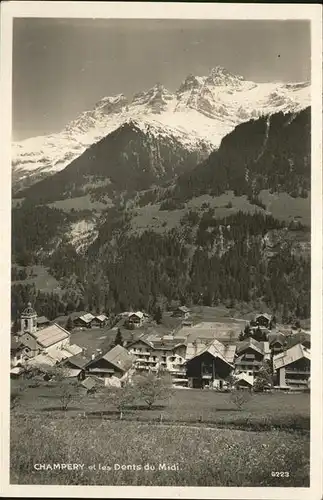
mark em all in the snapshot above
pixel 118 357
pixel 292 354
pixel 265 315
pixel 249 379
pixel 73 349
pixel 58 354
pixel 72 372
pixel 143 338
pixel 139 314
pixel 215 348
pixel 41 359
pixel 78 360
pixel 278 338
pixel 51 335
pixel 87 318
pixel 88 383
pixel 249 343
pixel 102 317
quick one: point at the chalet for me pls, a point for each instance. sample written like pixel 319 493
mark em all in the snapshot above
pixel 210 365
pixel 135 318
pixel 39 340
pixel 155 352
pixel 42 321
pixel 75 366
pixel 293 367
pixel 84 321
pixel 62 320
pixel 99 321
pixel 250 357
pixel 263 319
pixel 116 362
pixel 181 312
pixel 64 352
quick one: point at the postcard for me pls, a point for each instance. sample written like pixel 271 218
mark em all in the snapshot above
pixel 161 210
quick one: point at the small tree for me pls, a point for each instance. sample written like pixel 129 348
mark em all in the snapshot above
pixel 67 390
pixel 247 331
pixel 118 340
pixel 120 397
pixel 158 315
pixel 153 387
pixel 69 324
pixel 240 397
pixel 264 379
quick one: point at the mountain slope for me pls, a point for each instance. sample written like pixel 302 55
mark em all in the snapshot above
pixel 210 255
pixel 131 158
pixel 201 112
pixel 272 153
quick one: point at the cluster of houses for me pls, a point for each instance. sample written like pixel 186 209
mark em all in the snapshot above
pixel 191 361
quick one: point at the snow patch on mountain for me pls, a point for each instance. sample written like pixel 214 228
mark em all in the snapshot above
pixel 199 114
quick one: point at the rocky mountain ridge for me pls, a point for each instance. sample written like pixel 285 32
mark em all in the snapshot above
pixel 198 114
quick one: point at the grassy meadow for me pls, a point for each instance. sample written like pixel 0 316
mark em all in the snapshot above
pixel 200 456
pixel 201 433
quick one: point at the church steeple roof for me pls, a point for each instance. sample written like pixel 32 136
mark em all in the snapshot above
pixel 29 311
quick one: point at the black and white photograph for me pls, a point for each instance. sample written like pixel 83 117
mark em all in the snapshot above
pixel 163 210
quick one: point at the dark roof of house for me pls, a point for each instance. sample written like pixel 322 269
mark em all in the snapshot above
pixel 279 337
pixel 265 315
pixel 78 360
pixel 119 357
pixel 250 342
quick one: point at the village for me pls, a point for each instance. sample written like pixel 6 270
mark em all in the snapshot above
pixel 259 354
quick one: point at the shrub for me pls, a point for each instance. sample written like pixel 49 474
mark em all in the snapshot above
pixel 240 397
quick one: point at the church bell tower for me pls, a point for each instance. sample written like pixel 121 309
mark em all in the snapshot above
pixel 28 320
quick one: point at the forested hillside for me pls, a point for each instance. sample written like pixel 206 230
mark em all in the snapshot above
pixel 205 258
pixel 268 153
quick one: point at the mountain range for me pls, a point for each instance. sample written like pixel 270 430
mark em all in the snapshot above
pixel 195 117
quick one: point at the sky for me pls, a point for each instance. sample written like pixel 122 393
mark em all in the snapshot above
pixel 62 67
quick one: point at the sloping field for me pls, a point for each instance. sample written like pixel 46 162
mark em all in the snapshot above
pixel 132 453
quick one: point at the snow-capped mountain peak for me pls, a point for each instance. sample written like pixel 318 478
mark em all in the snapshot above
pixel 199 114
pixel 154 100
pixel 112 104
pixel 220 76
